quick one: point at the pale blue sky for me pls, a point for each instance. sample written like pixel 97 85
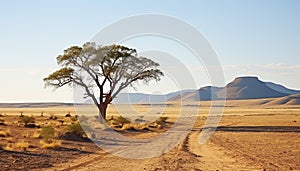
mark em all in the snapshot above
pixel 252 37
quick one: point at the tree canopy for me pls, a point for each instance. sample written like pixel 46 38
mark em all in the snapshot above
pixel 108 69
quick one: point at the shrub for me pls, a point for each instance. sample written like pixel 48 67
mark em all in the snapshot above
pixel 120 120
pixel 76 129
pixel 73 119
pixel 161 120
pixel 47 133
pixel 68 114
pixel 61 121
pixel 27 119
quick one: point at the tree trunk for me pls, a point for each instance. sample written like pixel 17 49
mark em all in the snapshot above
pixel 102 110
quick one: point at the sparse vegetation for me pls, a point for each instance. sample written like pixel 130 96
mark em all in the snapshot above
pixel 76 129
pixel 161 120
pixel 9 147
pixel 47 134
pixel 68 114
pixel 9 139
pixel 135 127
pixel 27 120
pixel 61 121
pixel 119 121
pixel 52 116
pixel 73 119
pixel 3 134
pixel 2 122
pixel 22 145
pixel 50 145
pixel 83 119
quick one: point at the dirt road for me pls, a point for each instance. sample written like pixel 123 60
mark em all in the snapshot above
pixel 188 155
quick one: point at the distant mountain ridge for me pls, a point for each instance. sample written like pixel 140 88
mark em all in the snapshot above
pixel 240 88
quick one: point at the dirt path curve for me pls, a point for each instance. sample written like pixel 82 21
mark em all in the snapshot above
pixel 213 157
pixel 188 155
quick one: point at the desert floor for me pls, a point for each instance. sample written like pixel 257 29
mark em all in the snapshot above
pixel 248 138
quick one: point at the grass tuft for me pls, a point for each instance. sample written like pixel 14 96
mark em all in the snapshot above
pixel 50 144
pixel 5 133
pixel 76 129
pixel 27 120
pixel 22 145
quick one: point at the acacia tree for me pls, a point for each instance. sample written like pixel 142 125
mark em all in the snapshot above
pixel 102 71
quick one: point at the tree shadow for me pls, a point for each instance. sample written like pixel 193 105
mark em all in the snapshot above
pixel 72 150
pixel 24 153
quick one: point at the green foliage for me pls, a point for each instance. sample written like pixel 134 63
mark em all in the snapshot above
pixel 161 120
pixel 48 134
pixel 74 119
pixel 113 66
pixel 120 120
pixel 76 129
pixel 64 74
pixel 27 119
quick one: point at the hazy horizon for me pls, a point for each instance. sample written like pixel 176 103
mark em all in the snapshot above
pixel 251 38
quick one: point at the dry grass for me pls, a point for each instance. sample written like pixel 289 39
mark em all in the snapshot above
pixel 9 139
pixel 36 134
pixel 22 145
pixel 25 134
pixel 9 147
pixel 5 133
pixel 50 144
pixel 134 126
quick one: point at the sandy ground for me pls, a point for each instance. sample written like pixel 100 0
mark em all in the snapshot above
pixel 249 138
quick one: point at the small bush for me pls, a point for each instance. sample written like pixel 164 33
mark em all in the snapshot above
pixel 161 120
pixel 73 119
pixel 120 120
pixel 76 129
pixel 47 133
pixel 61 121
pixel 68 114
pixel 27 119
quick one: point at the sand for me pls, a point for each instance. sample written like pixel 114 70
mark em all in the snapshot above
pixel 250 137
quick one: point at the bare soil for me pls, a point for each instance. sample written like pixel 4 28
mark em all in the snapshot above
pixel 248 138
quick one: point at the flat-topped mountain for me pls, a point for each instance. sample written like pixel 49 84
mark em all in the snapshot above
pixel 250 88
pixel 240 88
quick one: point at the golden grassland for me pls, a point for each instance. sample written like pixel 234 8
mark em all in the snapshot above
pixel 251 135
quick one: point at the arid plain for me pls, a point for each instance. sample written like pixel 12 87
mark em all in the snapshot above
pixel 252 135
